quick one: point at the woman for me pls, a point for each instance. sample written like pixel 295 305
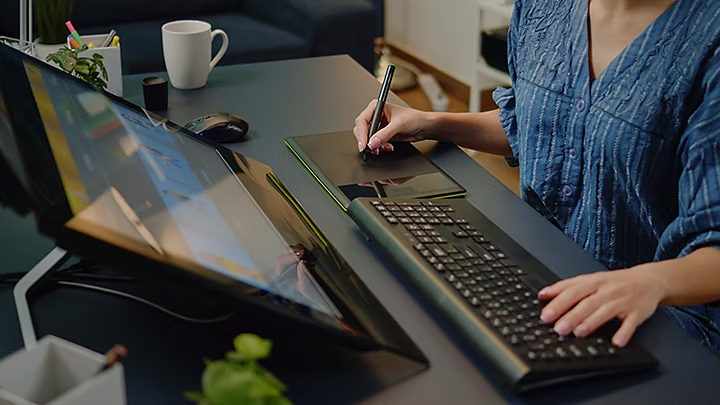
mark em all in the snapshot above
pixel 614 117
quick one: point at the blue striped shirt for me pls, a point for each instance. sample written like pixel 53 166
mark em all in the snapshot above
pixel 628 165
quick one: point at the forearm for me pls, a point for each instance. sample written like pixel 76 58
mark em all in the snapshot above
pixel 478 131
pixel 691 280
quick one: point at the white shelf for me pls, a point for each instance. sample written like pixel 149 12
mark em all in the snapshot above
pixel 499 7
pixel 483 68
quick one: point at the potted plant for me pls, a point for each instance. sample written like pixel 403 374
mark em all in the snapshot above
pixel 239 379
pixel 50 18
pixel 91 70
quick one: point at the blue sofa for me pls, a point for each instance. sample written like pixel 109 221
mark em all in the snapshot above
pixel 259 30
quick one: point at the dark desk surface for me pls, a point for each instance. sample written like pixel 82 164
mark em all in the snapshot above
pixel 282 99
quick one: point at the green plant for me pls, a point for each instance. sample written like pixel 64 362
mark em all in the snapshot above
pixel 91 70
pixel 50 17
pixel 239 379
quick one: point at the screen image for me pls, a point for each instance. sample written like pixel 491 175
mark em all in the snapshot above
pixel 132 181
pixel 8 142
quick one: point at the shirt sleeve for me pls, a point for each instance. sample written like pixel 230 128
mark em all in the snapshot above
pixel 698 221
pixel 505 98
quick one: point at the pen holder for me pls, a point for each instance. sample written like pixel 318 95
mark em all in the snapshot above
pixel 57 372
pixel 111 58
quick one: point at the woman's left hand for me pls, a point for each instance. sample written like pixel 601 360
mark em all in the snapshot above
pixel 584 303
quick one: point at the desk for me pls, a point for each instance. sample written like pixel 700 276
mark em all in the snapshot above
pixel 282 99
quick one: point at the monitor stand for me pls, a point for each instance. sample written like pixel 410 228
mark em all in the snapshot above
pixel 56 258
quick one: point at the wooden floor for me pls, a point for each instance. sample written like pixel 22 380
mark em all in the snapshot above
pixel 496 165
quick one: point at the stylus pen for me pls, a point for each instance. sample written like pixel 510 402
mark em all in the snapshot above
pixel 379 189
pixel 382 98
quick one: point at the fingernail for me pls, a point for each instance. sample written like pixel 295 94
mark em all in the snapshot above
pixel 562 328
pixel 374 143
pixel 547 316
pixel 388 147
pixel 360 146
pixel 542 292
pixel 620 341
pixel 581 330
pixel 375 151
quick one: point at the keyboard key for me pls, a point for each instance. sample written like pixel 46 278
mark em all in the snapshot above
pixel 419 220
pixel 448 209
pixel 427 227
pixel 408 208
pixel 592 350
pixel 458 285
pixel 434 221
pixel 467 228
pixel 427 215
pixel 375 202
pixel 447 260
pixel 508 263
pixel 464 263
pixel 499 255
pixel 434 209
pixel 406 220
pixel 460 234
pixel 532 356
pixel 477 261
pixel 392 220
pixel 418 233
pixel 439 239
pixel 439 252
pixel 380 208
pixel 479 239
pixel 413 215
pixel 433 260
pixel 393 208
pixel 441 215
pixel 466 293
pixel 451 249
pixel 453 267
pixel 460 220
pixel 576 351
pixel 420 209
pixel 474 233
pixel 400 214
pixel 439 267
pixel 425 253
pixel 412 227
pixel 435 204
pixel 386 213
pixel 425 239
pixel 447 221
pixel 457 256
pixel 419 246
pixel 490 247
pixel 475 301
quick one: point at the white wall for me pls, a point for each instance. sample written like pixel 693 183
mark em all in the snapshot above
pixel 440 32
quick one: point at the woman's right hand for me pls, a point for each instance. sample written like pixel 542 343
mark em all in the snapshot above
pixel 399 124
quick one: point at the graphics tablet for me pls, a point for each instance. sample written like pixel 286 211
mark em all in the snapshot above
pixel 333 159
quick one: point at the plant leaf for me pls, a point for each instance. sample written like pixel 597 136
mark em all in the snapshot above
pixel 195 396
pixel 252 347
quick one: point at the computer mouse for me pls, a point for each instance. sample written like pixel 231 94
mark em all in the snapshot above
pixel 220 127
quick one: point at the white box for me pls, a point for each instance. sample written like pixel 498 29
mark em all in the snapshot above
pixel 112 60
pixel 57 372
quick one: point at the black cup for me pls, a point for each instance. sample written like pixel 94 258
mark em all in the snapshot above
pixel 155 91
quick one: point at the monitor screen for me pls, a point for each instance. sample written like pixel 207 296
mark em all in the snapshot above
pixel 136 182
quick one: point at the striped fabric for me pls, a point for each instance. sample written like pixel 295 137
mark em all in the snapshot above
pixel 628 165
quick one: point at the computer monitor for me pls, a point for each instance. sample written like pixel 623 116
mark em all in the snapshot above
pixel 116 182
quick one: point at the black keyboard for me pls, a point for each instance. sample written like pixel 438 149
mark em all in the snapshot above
pixel 486 286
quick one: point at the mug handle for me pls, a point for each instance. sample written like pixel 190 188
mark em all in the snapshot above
pixel 223 48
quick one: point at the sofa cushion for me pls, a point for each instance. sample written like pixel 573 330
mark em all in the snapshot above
pixel 87 13
pixel 250 41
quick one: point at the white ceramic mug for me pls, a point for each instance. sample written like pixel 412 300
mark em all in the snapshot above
pixel 187 48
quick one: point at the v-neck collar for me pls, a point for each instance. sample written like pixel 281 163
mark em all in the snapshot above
pixel 630 55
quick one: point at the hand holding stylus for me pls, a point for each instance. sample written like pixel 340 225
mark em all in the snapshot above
pixel 398 124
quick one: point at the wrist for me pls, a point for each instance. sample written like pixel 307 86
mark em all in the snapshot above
pixel 433 125
pixel 660 277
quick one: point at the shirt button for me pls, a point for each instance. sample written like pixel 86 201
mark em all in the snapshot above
pixel 580 105
pixel 567 190
pixel 573 153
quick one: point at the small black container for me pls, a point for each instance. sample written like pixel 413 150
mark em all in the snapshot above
pixel 155 92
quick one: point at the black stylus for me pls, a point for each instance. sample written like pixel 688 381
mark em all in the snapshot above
pixel 377 116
